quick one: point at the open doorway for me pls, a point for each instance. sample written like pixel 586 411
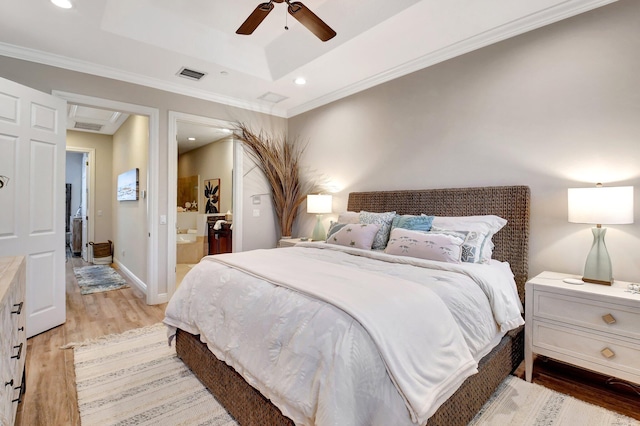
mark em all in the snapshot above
pixel 146 277
pixel 79 221
pixel 204 164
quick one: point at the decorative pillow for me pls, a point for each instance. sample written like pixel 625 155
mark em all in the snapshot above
pixel 415 223
pixel 355 235
pixel 334 227
pixel 425 245
pixel 384 221
pixel 487 225
pixel 349 217
pixel 473 243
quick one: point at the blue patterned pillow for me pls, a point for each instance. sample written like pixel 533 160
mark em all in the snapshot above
pixel 413 223
pixel 384 221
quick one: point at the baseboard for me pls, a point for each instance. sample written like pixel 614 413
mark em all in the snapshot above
pixel 141 285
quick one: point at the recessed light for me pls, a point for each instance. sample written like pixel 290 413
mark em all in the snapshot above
pixel 191 139
pixel 65 4
pixel 300 81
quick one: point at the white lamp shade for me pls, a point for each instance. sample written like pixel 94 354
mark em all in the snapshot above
pixel 601 205
pixel 319 204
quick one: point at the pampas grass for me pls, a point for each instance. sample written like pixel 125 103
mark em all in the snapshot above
pixel 279 160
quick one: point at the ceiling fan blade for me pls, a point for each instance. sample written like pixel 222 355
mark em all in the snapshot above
pixel 310 20
pixel 256 17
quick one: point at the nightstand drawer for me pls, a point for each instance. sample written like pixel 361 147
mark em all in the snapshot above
pixel 596 315
pixel 589 347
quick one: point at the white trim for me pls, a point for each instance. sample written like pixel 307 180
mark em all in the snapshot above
pixel 92 192
pixel 60 61
pixel 131 276
pixel 172 178
pixel 153 250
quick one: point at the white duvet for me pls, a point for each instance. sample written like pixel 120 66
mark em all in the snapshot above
pixel 396 340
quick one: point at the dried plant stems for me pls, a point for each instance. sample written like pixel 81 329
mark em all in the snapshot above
pixel 279 160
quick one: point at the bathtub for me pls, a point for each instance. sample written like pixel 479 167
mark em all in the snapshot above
pixel 186 238
pixel 189 247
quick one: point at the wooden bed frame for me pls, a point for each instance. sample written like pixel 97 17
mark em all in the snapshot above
pixel 250 407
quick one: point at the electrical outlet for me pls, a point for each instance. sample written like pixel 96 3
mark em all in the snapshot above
pixel 256 212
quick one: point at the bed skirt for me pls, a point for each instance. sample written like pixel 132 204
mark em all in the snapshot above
pixel 250 407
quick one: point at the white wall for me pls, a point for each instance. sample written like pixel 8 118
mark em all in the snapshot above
pixel 555 108
pixel 130 224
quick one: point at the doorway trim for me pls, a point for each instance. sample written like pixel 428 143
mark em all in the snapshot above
pixel 91 184
pixel 172 196
pixel 150 288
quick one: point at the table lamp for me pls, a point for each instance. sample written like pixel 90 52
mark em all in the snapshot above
pixel 319 204
pixel 600 206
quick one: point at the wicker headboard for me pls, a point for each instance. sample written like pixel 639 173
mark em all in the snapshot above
pixel 509 202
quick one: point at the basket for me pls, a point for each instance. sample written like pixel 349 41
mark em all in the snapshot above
pixel 102 253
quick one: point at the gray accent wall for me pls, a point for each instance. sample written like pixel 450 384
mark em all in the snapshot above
pixel 554 108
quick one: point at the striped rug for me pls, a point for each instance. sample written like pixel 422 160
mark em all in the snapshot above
pixel 519 403
pixel 135 378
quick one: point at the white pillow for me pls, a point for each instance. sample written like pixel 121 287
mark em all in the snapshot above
pixel 355 235
pixel 349 217
pixel 425 245
pixel 489 223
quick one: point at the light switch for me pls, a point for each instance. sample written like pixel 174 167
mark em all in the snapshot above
pixel 256 212
pixel 163 219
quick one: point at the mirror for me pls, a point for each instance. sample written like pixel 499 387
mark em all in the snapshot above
pixel 188 192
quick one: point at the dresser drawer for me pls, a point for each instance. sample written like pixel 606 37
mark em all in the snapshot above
pixel 594 314
pixel 587 346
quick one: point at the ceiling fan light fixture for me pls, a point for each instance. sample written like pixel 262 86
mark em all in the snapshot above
pixel 64 4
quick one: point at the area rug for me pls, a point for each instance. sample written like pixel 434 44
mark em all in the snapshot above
pixel 520 403
pixel 135 378
pixel 97 278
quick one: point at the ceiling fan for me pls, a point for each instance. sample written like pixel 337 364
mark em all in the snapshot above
pixel 296 9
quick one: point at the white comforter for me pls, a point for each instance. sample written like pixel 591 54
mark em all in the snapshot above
pixel 316 362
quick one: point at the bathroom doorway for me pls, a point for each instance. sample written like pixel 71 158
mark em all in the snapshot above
pixel 205 195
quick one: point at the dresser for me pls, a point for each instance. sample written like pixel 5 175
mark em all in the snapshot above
pixel 13 338
pixel 591 326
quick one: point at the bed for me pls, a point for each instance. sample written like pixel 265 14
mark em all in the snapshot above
pixel 249 406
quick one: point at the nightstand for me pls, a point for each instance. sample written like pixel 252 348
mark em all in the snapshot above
pixel 289 242
pixel 591 326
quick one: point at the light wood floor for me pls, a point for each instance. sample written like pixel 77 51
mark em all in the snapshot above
pixel 51 398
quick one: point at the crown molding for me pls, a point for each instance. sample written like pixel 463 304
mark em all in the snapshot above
pixel 502 32
pixel 64 62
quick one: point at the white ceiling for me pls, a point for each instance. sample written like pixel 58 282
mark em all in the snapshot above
pixel 148 41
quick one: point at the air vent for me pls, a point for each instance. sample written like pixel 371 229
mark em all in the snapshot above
pixel 191 74
pixel 272 97
pixel 88 126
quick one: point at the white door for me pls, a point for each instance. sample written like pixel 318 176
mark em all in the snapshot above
pixel 32 156
pixel 84 209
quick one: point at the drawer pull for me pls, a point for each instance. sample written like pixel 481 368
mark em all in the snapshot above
pixel 19 354
pixel 9 383
pixel 19 306
pixel 609 319
pixel 21 329
pixel 607 353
